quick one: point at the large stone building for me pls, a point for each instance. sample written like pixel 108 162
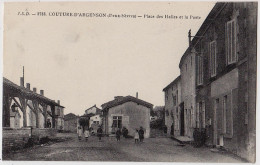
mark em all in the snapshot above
pixel 129 112
pixel 218 78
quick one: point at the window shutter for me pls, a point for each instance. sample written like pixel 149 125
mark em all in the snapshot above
pixel 226 41
pixel 233 41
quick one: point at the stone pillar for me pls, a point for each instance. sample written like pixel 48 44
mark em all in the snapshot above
pixel 6 111
pixel 36 107
pixel 53 115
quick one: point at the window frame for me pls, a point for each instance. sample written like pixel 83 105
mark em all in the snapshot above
pixel 213 74
pixel 200 70
pixel 228 37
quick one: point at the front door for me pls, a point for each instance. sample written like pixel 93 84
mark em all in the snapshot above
pixel 215 126
pixel 182 119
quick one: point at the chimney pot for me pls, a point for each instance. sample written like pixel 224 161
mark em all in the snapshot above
pixel 21 82
pixel 137 95
pixel 58 101
pixel 28 86
pixel 35 90
pixel 42 92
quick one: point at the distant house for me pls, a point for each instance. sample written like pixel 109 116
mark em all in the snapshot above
pixel 95 122
pixel 93 110
pixel 129 112
pixel 174 118
pixel 71 122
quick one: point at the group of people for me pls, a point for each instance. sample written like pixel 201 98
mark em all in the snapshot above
pixel 139 135
pixel 87 133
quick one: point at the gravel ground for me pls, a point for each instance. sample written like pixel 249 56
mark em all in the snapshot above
pixel 108 149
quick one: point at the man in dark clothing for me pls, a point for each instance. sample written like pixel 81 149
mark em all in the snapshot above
pixel 141 134
pixel 118 134
pixel 99 133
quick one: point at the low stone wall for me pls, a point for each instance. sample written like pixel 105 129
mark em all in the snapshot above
pixel 13 139
pixel 43 132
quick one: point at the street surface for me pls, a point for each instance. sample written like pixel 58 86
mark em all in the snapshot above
pixel 108 149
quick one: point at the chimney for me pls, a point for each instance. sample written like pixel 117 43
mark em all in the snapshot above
pixel 58 101
pixel 42 92
pixel 35 90
pixel 21 82
pixel 137 95
pixel 28 86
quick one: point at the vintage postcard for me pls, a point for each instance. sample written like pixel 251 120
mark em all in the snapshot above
pixel 129 81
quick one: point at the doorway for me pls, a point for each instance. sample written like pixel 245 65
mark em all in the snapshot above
pixel 182 119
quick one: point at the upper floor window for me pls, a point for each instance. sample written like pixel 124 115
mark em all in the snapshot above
pixel 231 53
pixel 174 100
pixel 199 70
pixel 213 58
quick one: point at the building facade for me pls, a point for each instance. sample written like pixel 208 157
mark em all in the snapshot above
pixel 129 112
pixel 173 119
pixel 222 77
pixel 218 79
pixel 188 92
pixel 93 110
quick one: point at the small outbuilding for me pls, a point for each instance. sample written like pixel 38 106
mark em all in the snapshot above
pixel 129 112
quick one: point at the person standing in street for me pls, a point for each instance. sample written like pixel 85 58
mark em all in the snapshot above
pixel 99 133
pixel 118 134
pixel 136 136
pixel 79 132
pixel 141 134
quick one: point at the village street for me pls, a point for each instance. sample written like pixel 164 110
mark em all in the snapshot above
pixel 153 149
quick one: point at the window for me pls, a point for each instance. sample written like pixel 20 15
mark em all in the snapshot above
pixel 174 100
pixel 117 122
pixel 200 70
pixel 231 53
pixel 213 58
pixel 177 96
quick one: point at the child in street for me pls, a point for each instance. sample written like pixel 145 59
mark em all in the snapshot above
pixel 86 134
pixel 79 133
pixel 136 136
pixel 118 134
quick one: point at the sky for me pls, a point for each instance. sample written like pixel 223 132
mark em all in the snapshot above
pixel 83 61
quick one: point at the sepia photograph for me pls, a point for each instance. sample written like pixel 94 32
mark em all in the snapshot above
pixel 129 81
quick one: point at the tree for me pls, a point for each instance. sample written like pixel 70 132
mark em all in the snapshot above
pixel 84 122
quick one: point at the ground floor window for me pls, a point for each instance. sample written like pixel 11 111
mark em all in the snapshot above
pixel 117 122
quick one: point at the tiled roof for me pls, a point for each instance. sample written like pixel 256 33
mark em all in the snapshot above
pixel 70 116
pixel 93 107
pixel 173 82
pixel 26 92
pixel 120 100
